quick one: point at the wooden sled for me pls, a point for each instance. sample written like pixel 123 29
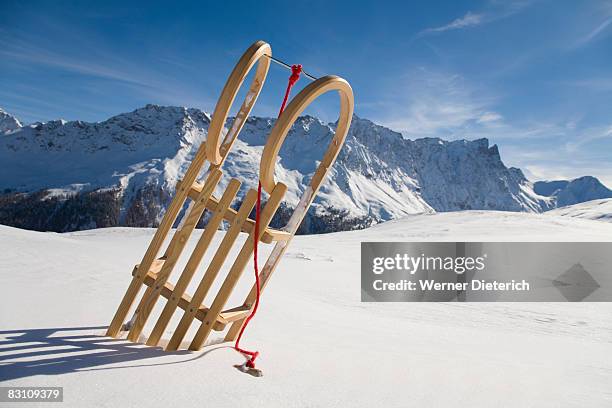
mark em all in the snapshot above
pixel 153 271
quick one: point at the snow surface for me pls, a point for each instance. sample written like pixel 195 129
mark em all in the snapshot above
pixel 320 345
pixel 600 210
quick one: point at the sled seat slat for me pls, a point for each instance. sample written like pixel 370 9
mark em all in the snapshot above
pixel 225 317
pixel 155 266
pixel 231 315
pixel 269 236
pixel 167 291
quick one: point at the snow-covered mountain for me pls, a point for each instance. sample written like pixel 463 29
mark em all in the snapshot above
pixel 123 171
pixel 8 122
pixel 569 192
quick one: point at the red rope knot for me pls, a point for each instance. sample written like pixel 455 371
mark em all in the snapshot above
pixel 251 361
pixel 296 70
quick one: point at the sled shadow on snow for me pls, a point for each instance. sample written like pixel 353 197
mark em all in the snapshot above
pixel 53 351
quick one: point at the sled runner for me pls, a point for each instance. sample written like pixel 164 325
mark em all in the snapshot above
pixel 154 271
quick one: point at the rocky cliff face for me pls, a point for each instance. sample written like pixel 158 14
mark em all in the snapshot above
pixel 123 171
pixel 8 123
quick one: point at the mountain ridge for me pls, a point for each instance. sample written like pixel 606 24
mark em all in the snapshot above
pixel 575 191
pixel 123 171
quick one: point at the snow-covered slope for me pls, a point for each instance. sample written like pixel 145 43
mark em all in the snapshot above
pixel 320 346
pixel 569 192
pixel 124 170
pixel 600 210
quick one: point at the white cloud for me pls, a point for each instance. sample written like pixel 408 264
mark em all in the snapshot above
pixel 495 10
pixel 593 23
pixel 468 20
pixel 538 172
pixel 601 84
pixel 437 104
pixel 594 33
pixel 587 136
pixel 488 117
pixel 433 104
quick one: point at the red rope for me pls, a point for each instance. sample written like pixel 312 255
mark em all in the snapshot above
pixel 296 70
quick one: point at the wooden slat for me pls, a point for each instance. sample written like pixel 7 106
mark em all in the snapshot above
pixel 231 315
pixel 178 242
pixel 237 268
pixel 228 316
pixel 213 269
pixel 270 235
pixel 194 262
pixel 155 268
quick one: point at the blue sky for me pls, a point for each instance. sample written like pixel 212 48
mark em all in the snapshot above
pixel 532 76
